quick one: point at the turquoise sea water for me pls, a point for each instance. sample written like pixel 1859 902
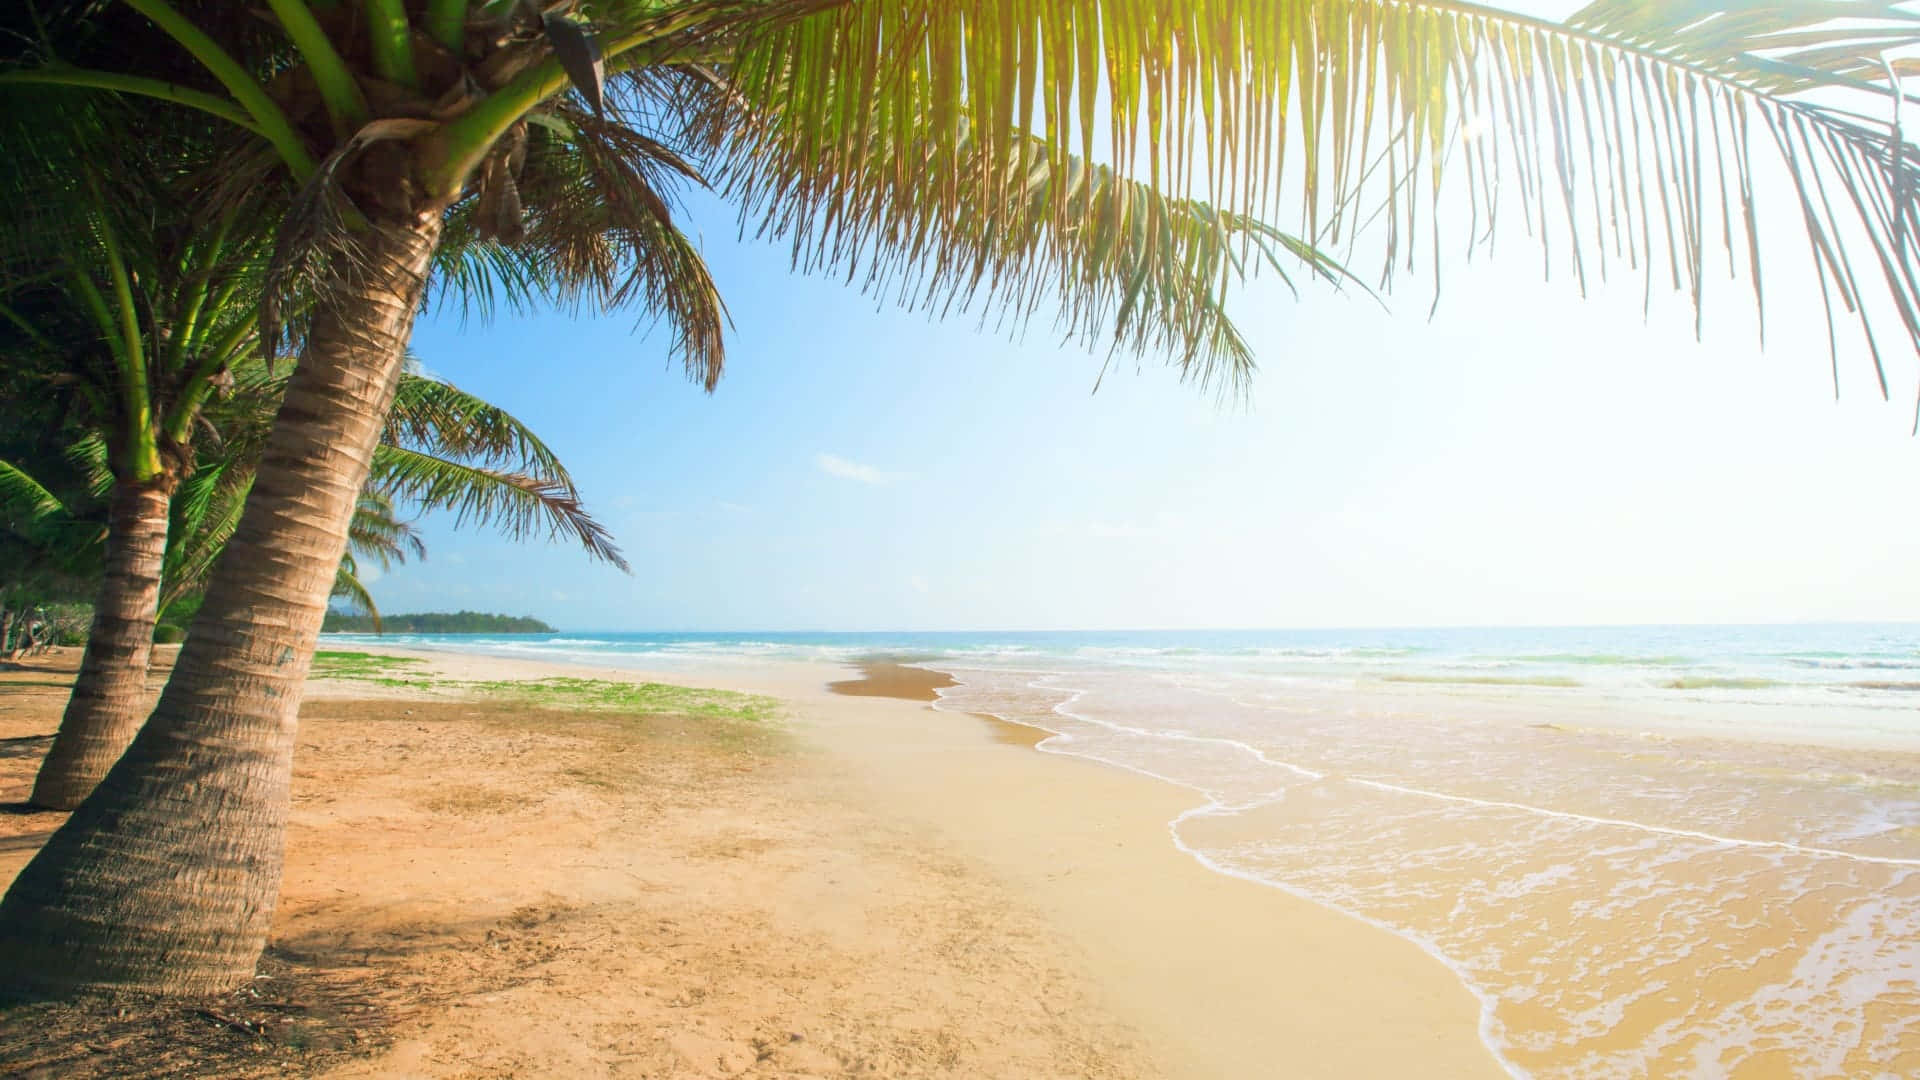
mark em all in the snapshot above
pixel 1648 851
pixel 1867 665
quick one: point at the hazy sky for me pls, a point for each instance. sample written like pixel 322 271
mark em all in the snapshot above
pixel 1525 457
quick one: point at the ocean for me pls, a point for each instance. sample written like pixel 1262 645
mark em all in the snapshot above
pixel 1663 850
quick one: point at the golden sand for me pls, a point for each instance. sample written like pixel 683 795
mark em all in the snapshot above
pixel 877 889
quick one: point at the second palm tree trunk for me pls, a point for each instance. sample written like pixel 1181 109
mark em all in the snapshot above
pixel 109 701
pixel 166 878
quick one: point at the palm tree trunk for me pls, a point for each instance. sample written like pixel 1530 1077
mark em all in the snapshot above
pixel 165 879
pixel 109 701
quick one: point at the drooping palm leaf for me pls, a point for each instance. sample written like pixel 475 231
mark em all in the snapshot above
pixel 195 542
pixel 1628 131
pixel 348 586
pixel 596 201
pixel 431 414
pixel 23 501
pixel 516 504
pixel 1145 272
pixel 88 455
pixel 377 532
pixel 495 471
pixel 39 518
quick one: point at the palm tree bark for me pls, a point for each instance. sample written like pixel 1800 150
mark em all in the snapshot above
pixel 109 701
pixel 165 879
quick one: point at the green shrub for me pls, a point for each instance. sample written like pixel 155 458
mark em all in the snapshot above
pixel 168 634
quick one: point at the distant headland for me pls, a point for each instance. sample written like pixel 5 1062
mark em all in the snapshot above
pixel 435 622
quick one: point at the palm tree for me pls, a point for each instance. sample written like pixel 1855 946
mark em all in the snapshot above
pixel 941 151
pixel 138 309
pixel 443 448
pixel 147 311
pixel 378 535
pixel 48 554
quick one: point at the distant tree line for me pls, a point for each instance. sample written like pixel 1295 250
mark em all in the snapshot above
pixel 435 622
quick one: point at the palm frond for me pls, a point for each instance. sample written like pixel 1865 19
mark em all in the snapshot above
pixel 38 517
pixel 24 503
pixel 348 586
pixel 193 550
pixel 480 277
pixel 207 495
pixel 1127 265
pixel 377 532
pixel 89 456
pixel 441 418
pixel 599 198
pixel 517 504
pixel 1625 136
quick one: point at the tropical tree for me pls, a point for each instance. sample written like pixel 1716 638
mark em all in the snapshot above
pixel 49 527
pixel 128 297
pixel 1107 162
pixel 379 536
pixel 443 448
pixel 48 554
pixel 135 307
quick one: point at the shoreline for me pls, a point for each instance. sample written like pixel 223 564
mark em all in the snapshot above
pixel 1220 973
pixel 1462 869
pixel 1699 718
pixel 889 678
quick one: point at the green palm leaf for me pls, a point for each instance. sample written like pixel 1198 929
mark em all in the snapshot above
pixel 203 523
pixel 597 199
pixel 348 586
pixel 516 504
pixel 1146 272
pixel 1625 137
pixel 376 532
pixel 37 516
pixel 440 417
pixel 24 502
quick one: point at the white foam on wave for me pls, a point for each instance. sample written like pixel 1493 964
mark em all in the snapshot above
pixel 1664 830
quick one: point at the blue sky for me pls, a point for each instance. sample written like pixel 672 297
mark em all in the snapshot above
pixel 1524 458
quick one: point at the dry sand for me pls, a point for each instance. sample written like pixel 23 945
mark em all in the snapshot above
pixel 480 887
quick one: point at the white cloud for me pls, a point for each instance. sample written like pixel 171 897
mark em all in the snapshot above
pixel 919 583
pixel 835 465
pixel 1162 525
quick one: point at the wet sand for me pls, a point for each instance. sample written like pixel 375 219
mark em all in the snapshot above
pixel 1225 977
pixel 905 682
pixel 893 679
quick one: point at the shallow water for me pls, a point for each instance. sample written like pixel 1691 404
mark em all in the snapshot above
pixel 1669 851
pixel 1623 903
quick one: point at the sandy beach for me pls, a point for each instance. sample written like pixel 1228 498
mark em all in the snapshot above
pixel 492 878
